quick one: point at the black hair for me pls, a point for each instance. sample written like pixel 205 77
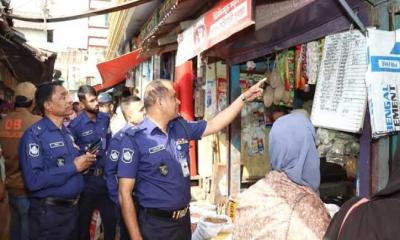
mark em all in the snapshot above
pixel 126 93
pixel 86 89
pixel 44 93
pixel 279 108
pixel 75 106
pixel 125 102
pixel 22 102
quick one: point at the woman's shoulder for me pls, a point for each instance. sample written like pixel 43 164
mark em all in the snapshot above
pixel 310 213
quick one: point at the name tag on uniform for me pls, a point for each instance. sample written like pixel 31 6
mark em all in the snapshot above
pixel 56 144
pixel 87 133
pixel 156 149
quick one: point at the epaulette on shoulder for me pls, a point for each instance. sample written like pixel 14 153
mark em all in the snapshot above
pixel 179 117
pixel 37 128
pixel 179 120
pixel 119 135
pixel 133 130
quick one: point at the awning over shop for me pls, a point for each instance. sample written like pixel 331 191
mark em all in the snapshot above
pixel 315 19
pixel 114 71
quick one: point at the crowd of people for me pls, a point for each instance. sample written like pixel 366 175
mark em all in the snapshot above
pixel 51 181
pixel 66 163
pixel 131 162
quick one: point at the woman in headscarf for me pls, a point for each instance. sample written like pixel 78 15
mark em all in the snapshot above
pixel 285 204
pixel 374 218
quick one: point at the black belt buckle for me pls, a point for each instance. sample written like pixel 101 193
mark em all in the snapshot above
pixel 64 202
pixel 98 172
pixel 178 214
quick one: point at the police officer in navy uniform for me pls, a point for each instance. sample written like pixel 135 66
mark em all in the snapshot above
pixel 52 166
pixel 87 128
pixel 133 111
pixel 154 161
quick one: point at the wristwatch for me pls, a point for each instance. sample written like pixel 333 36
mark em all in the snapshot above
pixel 243 97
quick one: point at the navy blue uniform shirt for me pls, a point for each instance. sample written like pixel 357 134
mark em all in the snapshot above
pixel 86 131
pixel 111 163
pixel 47 156
pixel 159 162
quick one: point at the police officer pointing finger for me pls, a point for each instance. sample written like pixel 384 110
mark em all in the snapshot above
pixel 52 168
pixel 154 161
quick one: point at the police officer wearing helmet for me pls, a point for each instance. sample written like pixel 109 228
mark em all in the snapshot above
pixel 155 163
pixel 11 129
pixel 89 127
pixel 51 167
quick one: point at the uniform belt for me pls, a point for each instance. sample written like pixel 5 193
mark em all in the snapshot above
pixel 62 202
pixel 97 172
pixel 167 214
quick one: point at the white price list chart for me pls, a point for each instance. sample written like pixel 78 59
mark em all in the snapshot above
pixel 341 97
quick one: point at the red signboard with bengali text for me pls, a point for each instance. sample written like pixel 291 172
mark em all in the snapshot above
pixel 223 20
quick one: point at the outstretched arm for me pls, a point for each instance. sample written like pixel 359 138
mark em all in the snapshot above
pixel 225 117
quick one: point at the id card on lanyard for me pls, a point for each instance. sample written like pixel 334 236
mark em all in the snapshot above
pixel 183 160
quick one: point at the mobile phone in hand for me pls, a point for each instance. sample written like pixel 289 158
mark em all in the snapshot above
pixel 93 147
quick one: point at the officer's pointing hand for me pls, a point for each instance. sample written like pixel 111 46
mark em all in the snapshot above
pixel 255 91
pixel 83 162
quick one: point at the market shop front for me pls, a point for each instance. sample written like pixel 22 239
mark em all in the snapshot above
pixel 285 46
